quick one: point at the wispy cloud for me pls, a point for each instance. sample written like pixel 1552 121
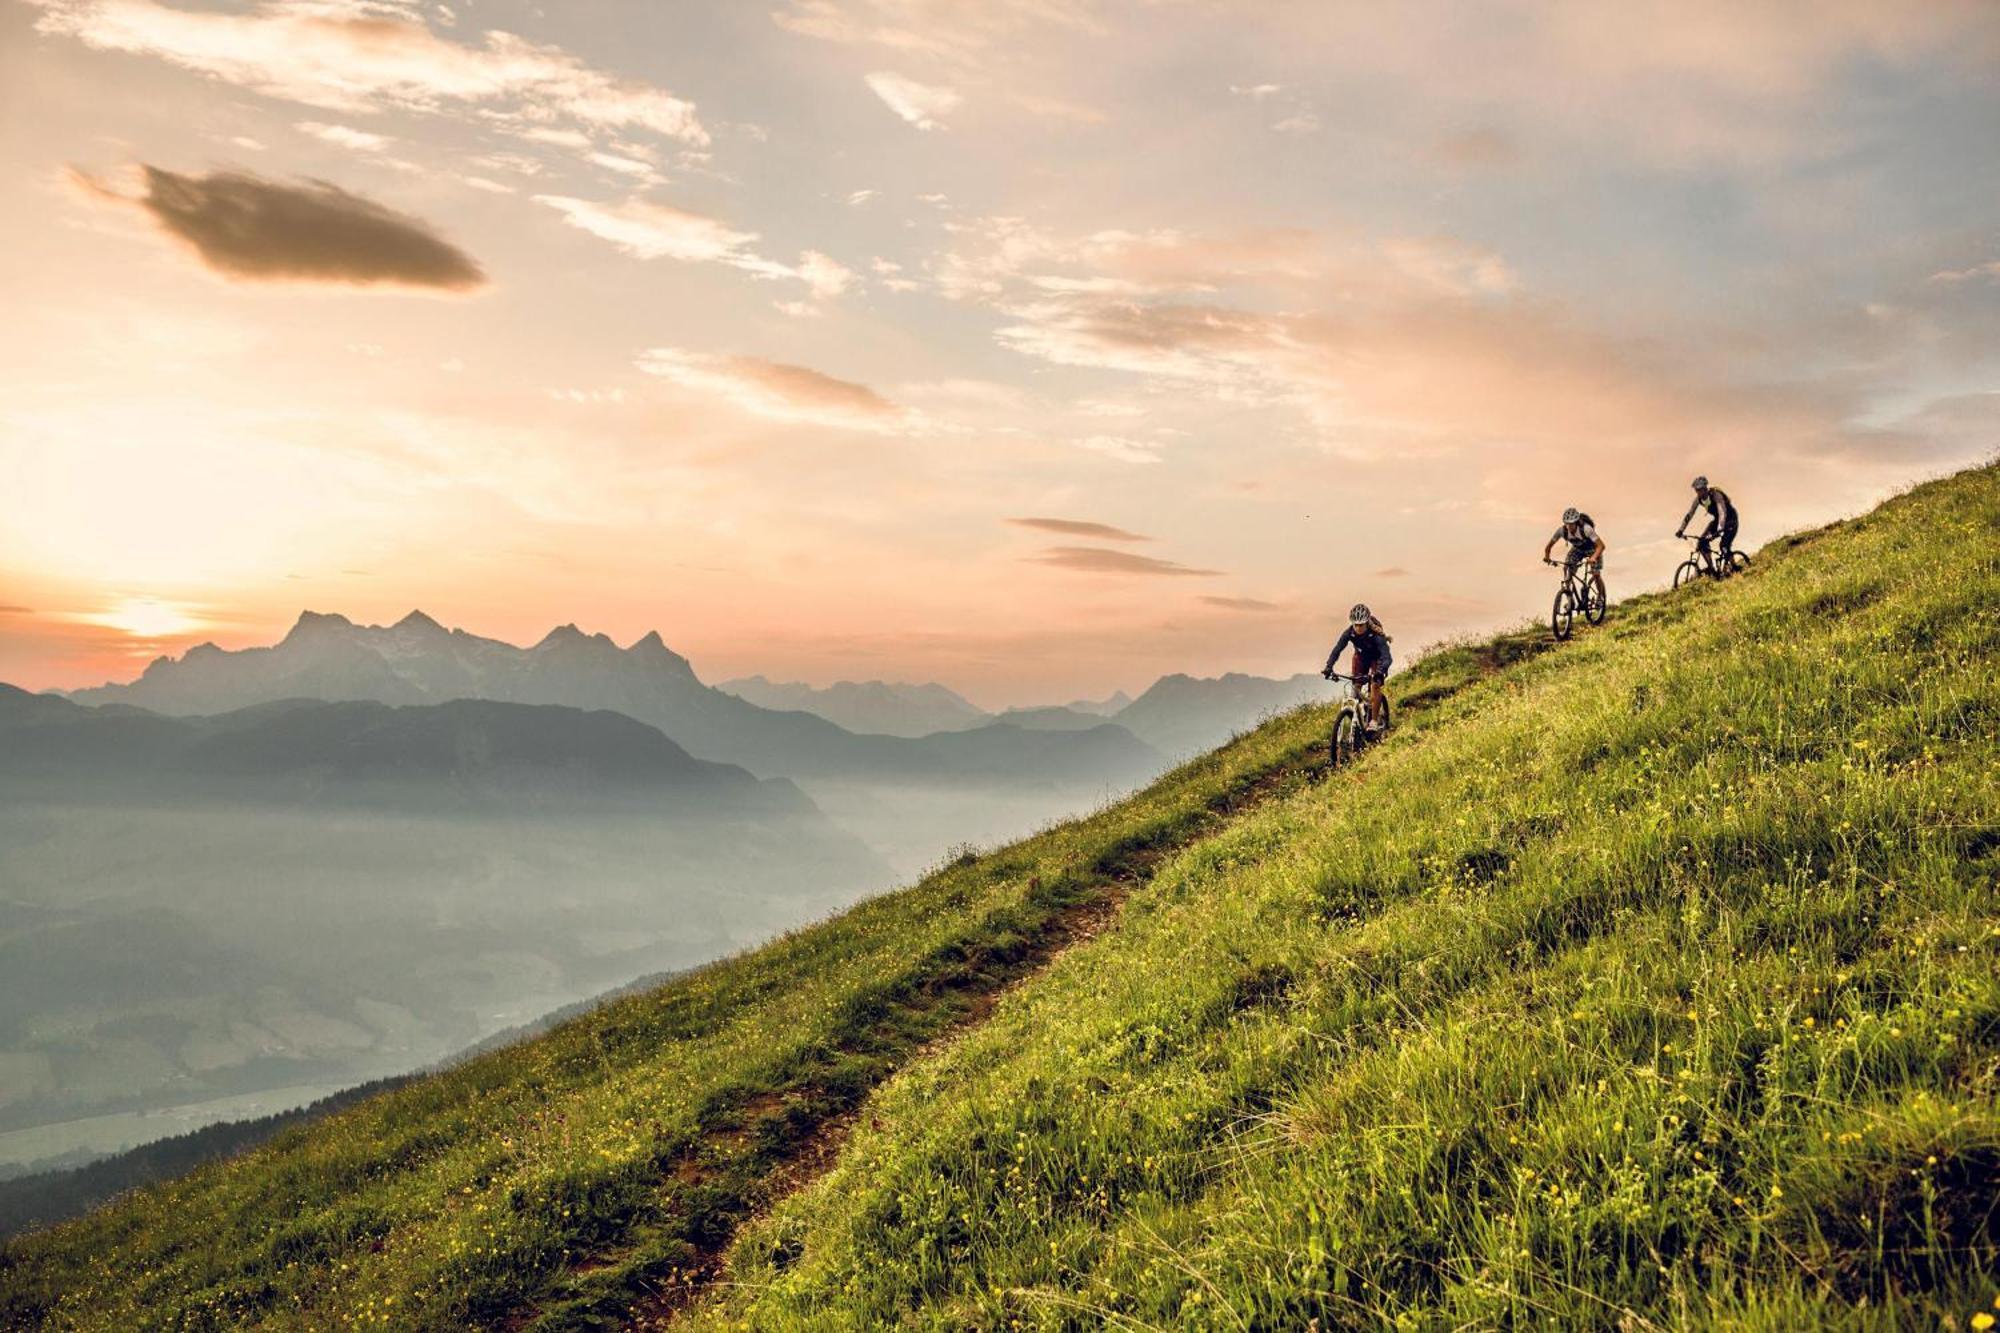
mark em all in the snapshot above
pixel 1072 527
pixel 1250 604
pixel 923 105
pixel 1990 271
pixel 648 230
pixel 251 229
pixel 1099 560
pixel 775 390
pixel 658 231
pixel 345 136
pixel 352 56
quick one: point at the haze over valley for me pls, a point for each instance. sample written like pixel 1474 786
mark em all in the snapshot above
pixel 247 878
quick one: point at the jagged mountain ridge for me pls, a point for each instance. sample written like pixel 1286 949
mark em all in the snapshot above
pixel 417 660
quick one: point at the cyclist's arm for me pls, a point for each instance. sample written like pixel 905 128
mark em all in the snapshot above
pixel 1548 546
pixel 1339 647
pixel 1598 553
pixel 1687 518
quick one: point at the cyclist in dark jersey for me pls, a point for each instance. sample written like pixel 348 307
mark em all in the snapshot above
pixel 1372 658
pixel 1721 516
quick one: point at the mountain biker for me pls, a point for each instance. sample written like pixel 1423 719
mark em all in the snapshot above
pixel 1721 516
pixel 1584 545
pixel 1372 658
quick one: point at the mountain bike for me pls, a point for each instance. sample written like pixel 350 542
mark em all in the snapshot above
pixel 1351 732
pixel 1703 563
pixel 1579 592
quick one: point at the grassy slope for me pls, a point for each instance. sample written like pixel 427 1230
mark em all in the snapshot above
pixel 1509 1025
pixel 1659 976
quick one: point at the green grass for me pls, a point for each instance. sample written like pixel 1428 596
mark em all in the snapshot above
pixel 1650 982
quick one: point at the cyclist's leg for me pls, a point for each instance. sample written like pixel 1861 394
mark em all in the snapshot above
pixel 1728 540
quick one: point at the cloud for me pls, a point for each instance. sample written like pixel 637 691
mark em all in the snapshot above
pixel 351 56
pixel 776 390
pixel 1256 92
pixel 345 136
pixel 826 277
pixel 656 231
pixel 1242 604
pixel 1392 572
pixel 946 32
pixel 1071 527
pixel 627 166
pixel 1990 271
pixel 859 197
pixel 1299 122
pixel 15 611
pixel 922 104
pixel 1097 560
pixel 257 230
pixel 648 230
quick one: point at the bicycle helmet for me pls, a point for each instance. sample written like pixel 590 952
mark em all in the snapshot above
pixel 1700 483
pixel 1571 514
pixel 1360 614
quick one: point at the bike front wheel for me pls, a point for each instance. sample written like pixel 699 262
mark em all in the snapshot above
pixel 1593 600
pixel 1346 740
pixel 1563 616
pixel 1687 573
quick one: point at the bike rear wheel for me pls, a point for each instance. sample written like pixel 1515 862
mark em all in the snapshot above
pixel 1738 562
pixel 1687 573
pixel 1563 616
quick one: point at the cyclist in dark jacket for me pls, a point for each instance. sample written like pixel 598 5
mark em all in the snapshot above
pixel 1372 657
pixel 1721 516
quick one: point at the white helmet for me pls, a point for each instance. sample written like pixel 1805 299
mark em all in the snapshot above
pixel 1359 614
pixel 1572 514
pixel 1700 483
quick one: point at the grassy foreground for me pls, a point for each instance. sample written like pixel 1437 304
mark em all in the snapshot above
pixel 1652 982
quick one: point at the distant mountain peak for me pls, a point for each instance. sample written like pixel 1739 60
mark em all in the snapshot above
pixel 417 620
pixel 311 624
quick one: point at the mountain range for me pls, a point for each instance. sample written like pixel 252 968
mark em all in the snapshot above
pixel 418 661
pixel 870 707
pixel 468 754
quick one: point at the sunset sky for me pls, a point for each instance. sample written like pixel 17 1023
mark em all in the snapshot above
pixel 1034 346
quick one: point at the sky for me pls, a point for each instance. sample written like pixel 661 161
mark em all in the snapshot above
pixel 1038 347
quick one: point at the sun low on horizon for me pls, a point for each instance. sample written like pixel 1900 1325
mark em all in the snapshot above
pixel 1036 347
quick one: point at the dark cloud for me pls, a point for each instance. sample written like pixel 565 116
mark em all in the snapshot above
pixel 15 611
pixel 1392 572
pixel 1097 560
pixel 1073 527
pixel 258 230
pixel 1241 604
